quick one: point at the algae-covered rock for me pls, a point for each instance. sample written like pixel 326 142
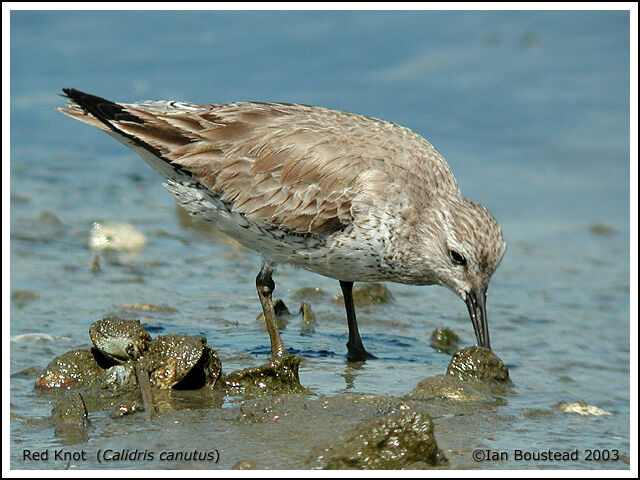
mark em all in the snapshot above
pixel 444 339
pixel 477 363
pixel 181 362
pixel 77 367
pixel 119 340
pixel 367 294
pixel 172 361
pixel 84 369
pixel 394 441
pixel 70 419
pixel 278 376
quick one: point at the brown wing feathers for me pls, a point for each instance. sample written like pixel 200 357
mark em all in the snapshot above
pixel 236 152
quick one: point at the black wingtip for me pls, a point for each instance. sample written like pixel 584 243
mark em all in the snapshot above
pixel 101 108
pixel 68 92
pixel 76 95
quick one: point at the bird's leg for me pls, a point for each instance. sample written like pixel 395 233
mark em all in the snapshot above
pixel 356 351
pixel 266 286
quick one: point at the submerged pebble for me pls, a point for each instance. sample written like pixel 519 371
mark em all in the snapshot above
pixel 22 297
pixel 37 337
pixel 45 228
pixel 538 413
pixel 119 236
pixel 444 339
pixel 367 294
pixel 397 440
pixel 477 363
pixel 581 408
pixel 601 229
pixel 146 307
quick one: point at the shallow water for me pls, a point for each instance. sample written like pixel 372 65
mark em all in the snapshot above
pixel 531 111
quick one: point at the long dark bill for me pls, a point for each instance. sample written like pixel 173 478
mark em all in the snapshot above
pixel 477 305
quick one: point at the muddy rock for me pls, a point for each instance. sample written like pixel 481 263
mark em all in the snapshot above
pixel 367 294
pixel 119 340
pixel 43 228
pixel 444 339
pixel 277 376
pixel 244 465
pixel 601 229
pixel 308 326
pixel 171 361
pixel 70 419
pixel 538 413
pixel 146 307
pixel 308 294
pixel 478 363
pixel 74 368
pixel 23 297
pixel 119 377
pixel 125 408
pixel 282 313
pixel 397 440
pixel 450 389
pixel 170 400
pixel 181 362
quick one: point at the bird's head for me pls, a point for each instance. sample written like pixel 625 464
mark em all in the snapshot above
pixel 465 246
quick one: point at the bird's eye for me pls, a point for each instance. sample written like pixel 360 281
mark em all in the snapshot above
pixel 457 258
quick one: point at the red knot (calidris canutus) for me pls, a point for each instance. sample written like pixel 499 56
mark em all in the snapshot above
pixel 347 196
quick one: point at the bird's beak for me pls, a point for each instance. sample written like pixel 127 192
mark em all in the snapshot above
pixel 477 305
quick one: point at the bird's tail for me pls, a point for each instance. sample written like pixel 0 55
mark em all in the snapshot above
pixel 114 119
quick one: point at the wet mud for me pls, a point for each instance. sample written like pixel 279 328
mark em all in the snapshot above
pixel 127 372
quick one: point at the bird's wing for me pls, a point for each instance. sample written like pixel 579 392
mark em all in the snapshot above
pixel 301 168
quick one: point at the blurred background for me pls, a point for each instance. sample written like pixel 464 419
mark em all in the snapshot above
pixel 531 110
pixel 520 103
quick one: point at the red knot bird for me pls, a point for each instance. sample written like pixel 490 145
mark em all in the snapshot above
pixel 347 196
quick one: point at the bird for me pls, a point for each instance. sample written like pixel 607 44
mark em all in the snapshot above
pixel 347 196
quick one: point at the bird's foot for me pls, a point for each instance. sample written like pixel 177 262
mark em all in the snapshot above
pixel 359 355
